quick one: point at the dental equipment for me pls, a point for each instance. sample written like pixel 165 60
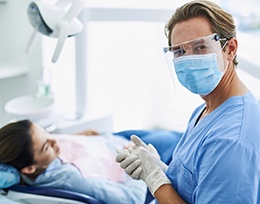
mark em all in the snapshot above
pixel 55 21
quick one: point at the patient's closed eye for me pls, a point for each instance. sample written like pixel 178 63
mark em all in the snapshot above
pixel 46 147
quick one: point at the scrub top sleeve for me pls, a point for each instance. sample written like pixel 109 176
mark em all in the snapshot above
pixel 223 173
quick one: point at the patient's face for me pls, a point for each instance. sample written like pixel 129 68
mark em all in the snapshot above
pixel 45 148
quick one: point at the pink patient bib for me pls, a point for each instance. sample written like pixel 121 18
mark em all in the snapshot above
pixel 94 156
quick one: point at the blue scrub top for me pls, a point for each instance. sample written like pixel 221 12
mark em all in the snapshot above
pixel 217 160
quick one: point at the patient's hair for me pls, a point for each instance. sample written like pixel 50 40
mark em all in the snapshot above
pixel 221 21
pixel 16 146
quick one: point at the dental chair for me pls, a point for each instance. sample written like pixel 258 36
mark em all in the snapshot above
pixel 45 195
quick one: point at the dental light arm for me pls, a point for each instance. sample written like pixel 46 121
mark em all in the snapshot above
pixel 55 21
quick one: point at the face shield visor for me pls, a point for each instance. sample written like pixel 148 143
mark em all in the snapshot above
pixel 198 54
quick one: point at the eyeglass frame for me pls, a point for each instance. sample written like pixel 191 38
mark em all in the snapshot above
pixel 215 38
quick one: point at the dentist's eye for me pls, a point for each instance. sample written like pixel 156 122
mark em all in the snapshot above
pixel 178 53
pixel 202 49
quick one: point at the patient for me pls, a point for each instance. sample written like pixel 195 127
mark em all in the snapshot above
pixel 41 162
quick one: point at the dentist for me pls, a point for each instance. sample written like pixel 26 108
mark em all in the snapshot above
pixel 217 159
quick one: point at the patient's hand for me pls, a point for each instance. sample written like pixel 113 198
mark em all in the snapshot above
pixel 88 133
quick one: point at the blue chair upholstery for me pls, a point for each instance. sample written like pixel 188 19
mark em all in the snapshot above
pixel 42 195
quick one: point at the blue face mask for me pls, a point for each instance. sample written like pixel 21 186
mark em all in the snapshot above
pixel 198 73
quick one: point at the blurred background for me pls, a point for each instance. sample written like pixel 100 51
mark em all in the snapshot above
pixel 125 73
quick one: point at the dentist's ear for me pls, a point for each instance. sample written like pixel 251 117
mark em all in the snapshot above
pixel 232 48
pixel 29 169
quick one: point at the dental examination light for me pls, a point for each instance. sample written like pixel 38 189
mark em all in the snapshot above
pixel 55 20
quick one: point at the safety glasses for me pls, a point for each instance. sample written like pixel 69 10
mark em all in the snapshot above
pixel 199 46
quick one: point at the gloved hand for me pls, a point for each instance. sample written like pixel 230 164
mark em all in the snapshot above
pixel 131 164
pixel 138 142
pixel 145 162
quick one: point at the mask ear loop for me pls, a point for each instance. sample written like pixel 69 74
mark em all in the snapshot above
pixel 222 46
pixel 225 69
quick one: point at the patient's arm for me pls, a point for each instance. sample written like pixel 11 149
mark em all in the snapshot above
pixel 88 132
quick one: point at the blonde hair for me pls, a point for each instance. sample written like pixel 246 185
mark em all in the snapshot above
pixel 221 21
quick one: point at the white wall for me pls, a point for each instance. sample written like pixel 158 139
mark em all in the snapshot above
pixel 15 31
pixel 127 74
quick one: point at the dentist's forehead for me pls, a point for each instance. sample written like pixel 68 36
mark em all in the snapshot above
pixel 190 30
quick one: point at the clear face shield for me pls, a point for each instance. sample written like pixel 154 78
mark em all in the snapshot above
pixel 197 54
pixel 200 46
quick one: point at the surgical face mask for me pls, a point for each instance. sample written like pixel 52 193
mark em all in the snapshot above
pixel 197 63
pixel 198 73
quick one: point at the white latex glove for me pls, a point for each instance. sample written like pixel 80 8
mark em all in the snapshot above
pixel 131 163
pixel 138 142
pixel 151 166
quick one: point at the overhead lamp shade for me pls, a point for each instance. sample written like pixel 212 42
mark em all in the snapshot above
pixel 54 20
